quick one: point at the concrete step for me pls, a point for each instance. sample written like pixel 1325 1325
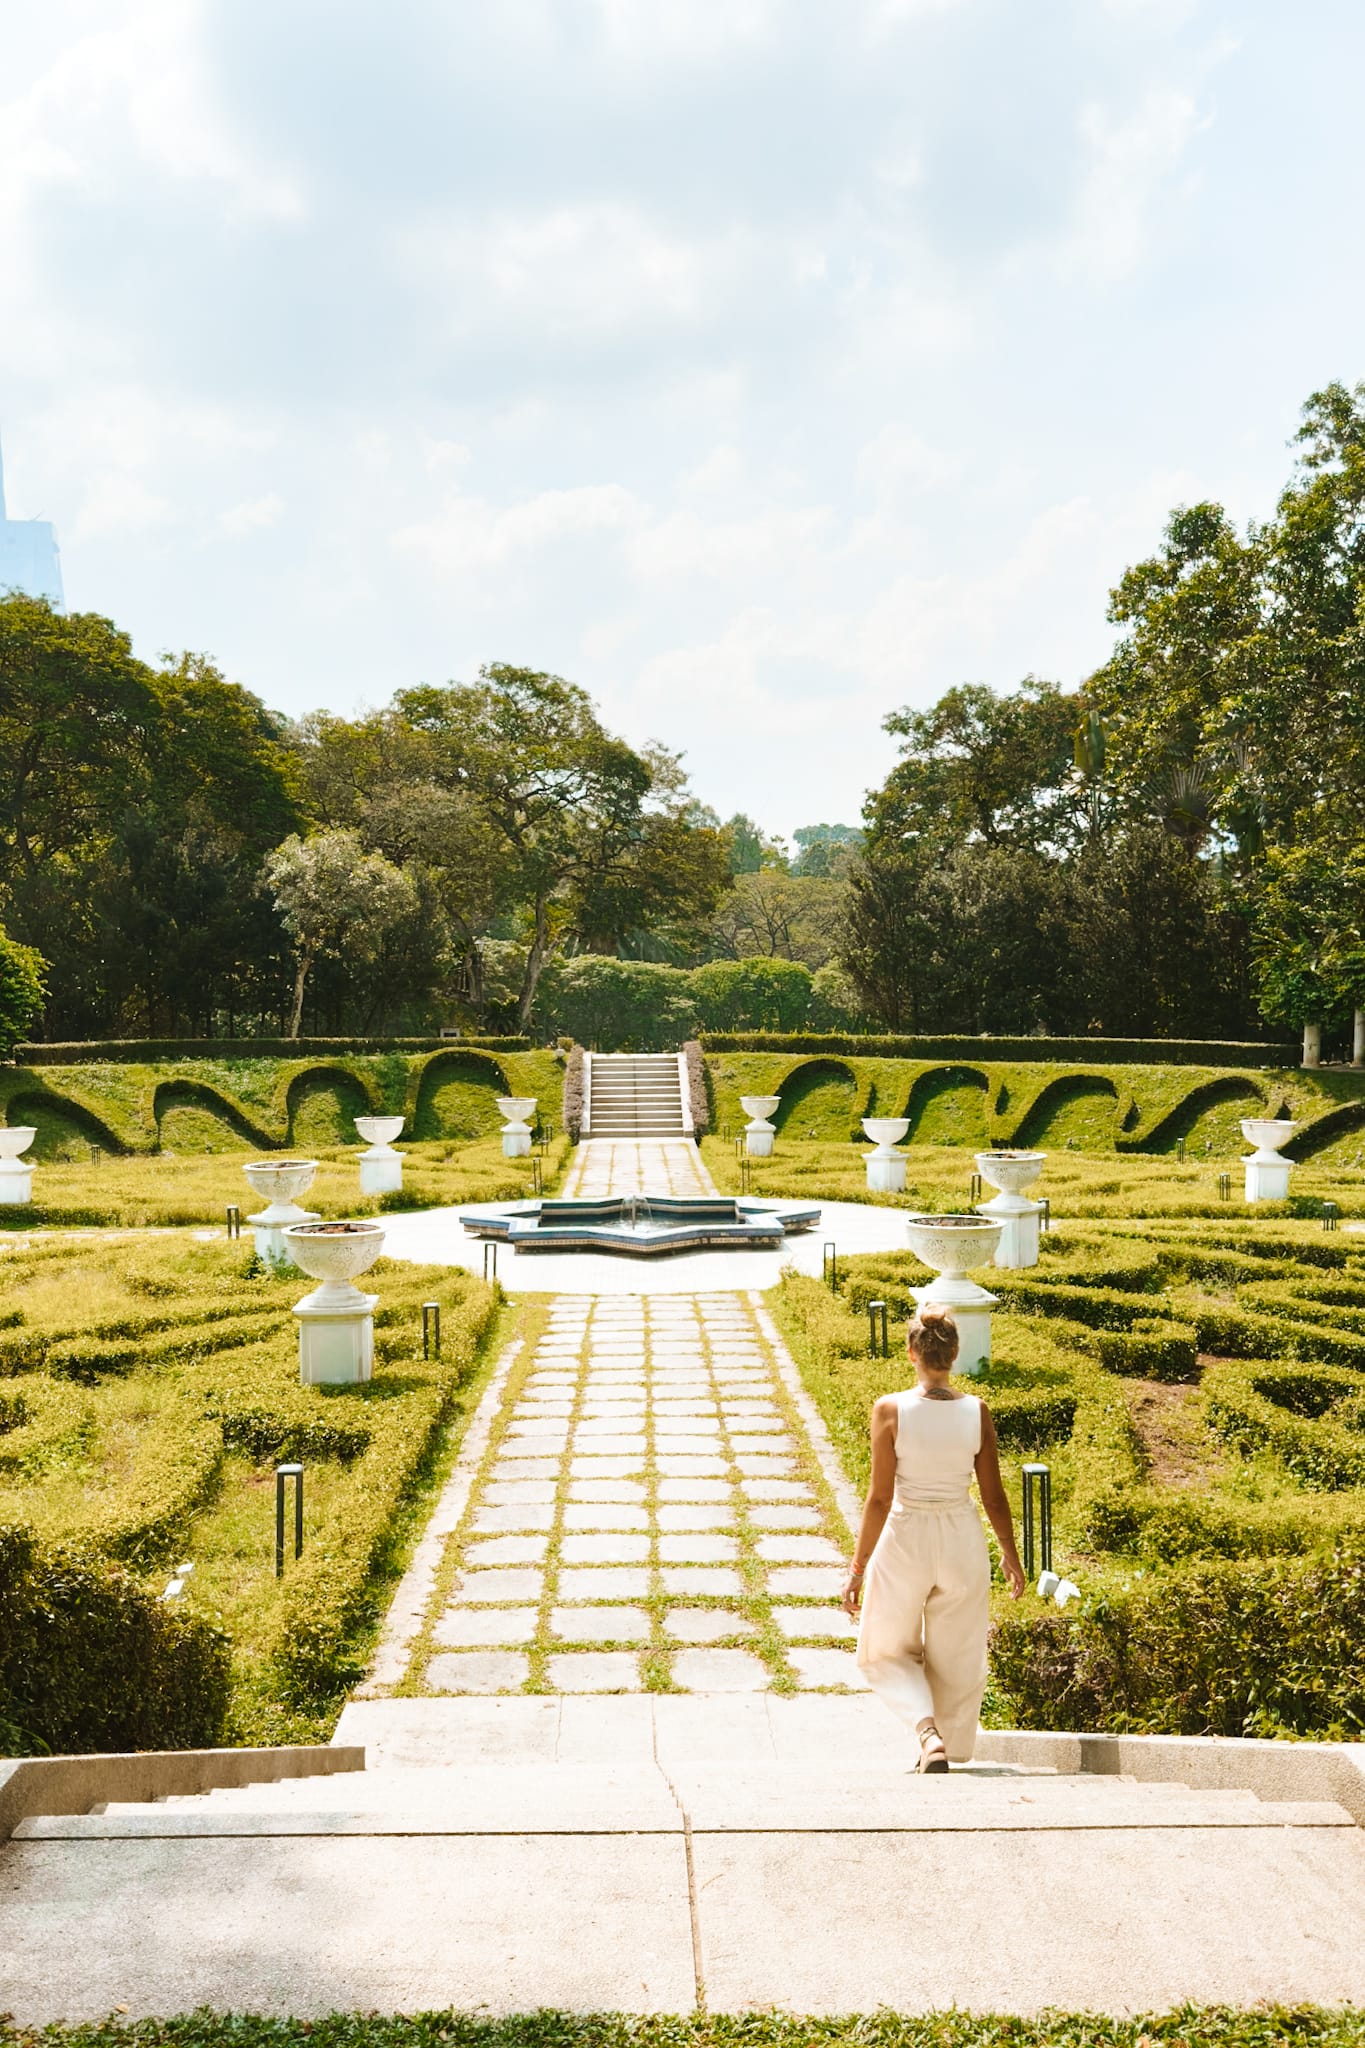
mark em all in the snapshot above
pixel 710 1799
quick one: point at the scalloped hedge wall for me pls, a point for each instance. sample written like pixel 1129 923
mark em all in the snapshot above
pixel 245 1102
pixel 1128 1107
pixel 1198 1390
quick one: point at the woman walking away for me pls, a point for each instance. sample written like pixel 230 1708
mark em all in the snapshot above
pixel 919 1583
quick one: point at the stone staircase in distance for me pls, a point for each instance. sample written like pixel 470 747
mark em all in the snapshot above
pixel 635 1095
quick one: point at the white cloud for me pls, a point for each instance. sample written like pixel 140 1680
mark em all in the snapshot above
pixel 1131 158
pixel 253 514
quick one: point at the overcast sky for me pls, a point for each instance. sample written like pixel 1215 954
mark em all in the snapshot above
pixel 761 364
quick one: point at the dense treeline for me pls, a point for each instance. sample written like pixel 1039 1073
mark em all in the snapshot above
pixel 1179 847
pixel 1175 849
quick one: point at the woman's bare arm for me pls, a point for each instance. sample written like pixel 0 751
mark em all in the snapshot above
pixel 995 1501
pixel 881 1491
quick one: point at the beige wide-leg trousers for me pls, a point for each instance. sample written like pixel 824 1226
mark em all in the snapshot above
pixel 925 1612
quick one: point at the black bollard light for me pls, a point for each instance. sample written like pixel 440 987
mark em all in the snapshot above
pixel 1037 1518
pixel 234 1220
pixel 490 1259
pixel 1331 1216
pixel 829 1265
pixel 1225 1187
pixel 431 1329
pixel 877 1318
pixel 283 1472
pixel 974 1191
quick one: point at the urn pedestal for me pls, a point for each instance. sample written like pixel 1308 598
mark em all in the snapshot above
pixel 381 1168
pixel 516 1132
pixel 1267 1175
pixel 952 1244
pixel 16 1174
pixel 885 1166
pixel 759 1133
pixel 281 1181
pixel 336 1321
pixel 1011 1173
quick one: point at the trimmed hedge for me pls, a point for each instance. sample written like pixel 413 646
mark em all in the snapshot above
pixel 1255 1647
pixel 698 1088
pixel 89 1661
pixel 1153 1349
pixel 1286 1410
pixel 77 1052
pixel 1168 1052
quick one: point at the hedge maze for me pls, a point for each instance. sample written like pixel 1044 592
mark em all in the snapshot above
pixel 143 1405
pixel 1198 1389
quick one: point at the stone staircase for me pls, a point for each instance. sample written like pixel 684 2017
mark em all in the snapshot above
pixel 634 1095
pixel 674 1853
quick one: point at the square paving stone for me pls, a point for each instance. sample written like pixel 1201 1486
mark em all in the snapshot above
pixel 533 1515
pixel 594 1672
pixel 524 1428
pixel 605 1515
pixel 600 1624
pixel 610 1446
pixel 606 1468
pixel 804 1582
pixel 765 1467
pixel 477 1628
pixel 775 1515
pixel 507 1550
pixel 669 1446
pixel 507 1469
pixel 704 1624
pixel 696 1489
pixel 776 1489
pixel 827 1667
pixel 780 1444
pixel 799 1550
pixel 519 1584
pixel 476 1671
pixel 719 1671
pixel 510 1493
pixel 608 1489
pixel 705 1581
pixel 697 1549
pixel 718 1514
pixel 804 1624
pixel 604 1549
pixel 672 1466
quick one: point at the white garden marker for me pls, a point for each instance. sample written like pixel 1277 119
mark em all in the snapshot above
pixel 885 1166
pixel 759 1133
pixel 516 1132
pixel 281 1181
pixel 336 1321
pixel 1012 1172
pixel 381 1168
pixel 1267 1175
pixel 952 1245
pixel 16 1174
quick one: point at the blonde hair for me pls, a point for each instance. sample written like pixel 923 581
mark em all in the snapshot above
pixel 932 1339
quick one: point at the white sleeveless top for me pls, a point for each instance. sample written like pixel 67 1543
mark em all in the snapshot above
pixel 936 1447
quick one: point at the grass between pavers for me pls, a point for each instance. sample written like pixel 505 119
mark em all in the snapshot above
pixel 169 1190
pixel 752 1605
pixel 1187 2026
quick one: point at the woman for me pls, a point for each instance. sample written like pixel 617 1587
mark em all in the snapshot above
pixel 919 1583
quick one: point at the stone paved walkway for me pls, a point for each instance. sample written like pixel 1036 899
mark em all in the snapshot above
pixel 649 1514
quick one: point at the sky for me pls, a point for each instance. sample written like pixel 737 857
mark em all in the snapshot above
pixel 762 365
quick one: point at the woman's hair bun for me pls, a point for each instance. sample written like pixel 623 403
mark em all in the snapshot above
pixel 932 1337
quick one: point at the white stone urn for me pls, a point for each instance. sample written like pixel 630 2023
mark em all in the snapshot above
pixel 280 1181
pixel 759 1132
pixel 886 1166
pixel 336 1321
pixel 1011 1173
pixel 1267 1175
pixel 16 1174
pixel 516 1132
pixel 381 1168
pixel 953 1246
